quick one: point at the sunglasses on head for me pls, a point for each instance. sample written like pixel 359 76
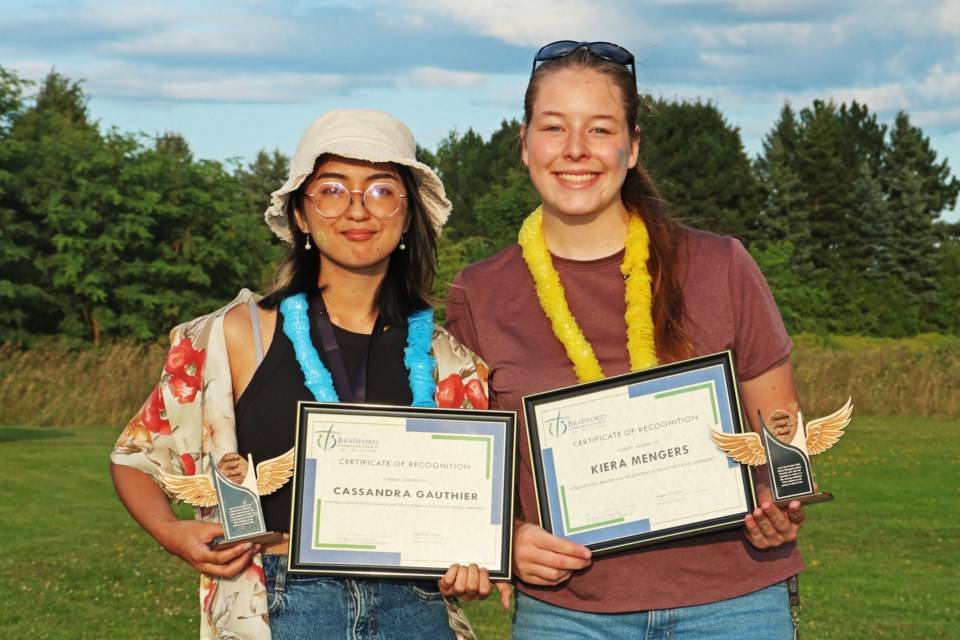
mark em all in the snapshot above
pixel 606 50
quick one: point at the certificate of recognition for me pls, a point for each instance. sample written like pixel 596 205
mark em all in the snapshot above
pixel 629 460
pixel 400 491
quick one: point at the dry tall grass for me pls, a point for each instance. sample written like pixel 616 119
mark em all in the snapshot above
pixel 49 387
pixel 913 377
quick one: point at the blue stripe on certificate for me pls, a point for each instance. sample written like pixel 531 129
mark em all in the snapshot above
pixel 485 433
pixel 709 380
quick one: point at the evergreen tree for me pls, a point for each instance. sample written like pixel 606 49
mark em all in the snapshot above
pixel 864 137
pixel 780 239
pixel 48 146
pixel 119 239
pixel 918 189
pixel 459 163
pixel 470 167
pixel 859 212
pixel 828 168
pixel 199 242
pixel 945 316
pixel 700 166
pixel 783 215
pixel 803 305
pixel 822 163
pixel 105 235
pixel 11 99
pixel 60 95
pixel 503 208
pixel 20 293
pixel 261 177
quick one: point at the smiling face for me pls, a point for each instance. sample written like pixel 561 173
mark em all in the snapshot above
pixel 355 241
pixel 578 144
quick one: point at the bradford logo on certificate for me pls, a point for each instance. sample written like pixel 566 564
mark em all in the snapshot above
pixel 788 444
pixel 236 489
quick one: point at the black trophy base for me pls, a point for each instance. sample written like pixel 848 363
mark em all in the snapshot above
pixel 812 498
pixel 256 538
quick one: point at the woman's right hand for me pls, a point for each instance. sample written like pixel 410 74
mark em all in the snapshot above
pixel 544 559
pixel 190 541
pixel 187 539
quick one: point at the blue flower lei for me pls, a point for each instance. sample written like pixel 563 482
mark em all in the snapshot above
pixel 416 355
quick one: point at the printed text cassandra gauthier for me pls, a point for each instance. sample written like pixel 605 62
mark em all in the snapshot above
pixel 422 494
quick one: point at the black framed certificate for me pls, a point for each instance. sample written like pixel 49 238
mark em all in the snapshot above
pixel 399 492
pixel 629 460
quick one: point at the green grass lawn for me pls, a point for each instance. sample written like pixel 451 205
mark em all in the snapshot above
pixel 882 558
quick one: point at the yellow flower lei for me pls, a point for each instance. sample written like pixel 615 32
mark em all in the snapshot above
pixel 639 318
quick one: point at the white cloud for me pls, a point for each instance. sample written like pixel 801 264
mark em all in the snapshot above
pixel 116 16
pixel 883 98
pixel 186 43
pixel 949 17
pixel 174 28
pixel 755 7
pixel 137 82
pixel 942 84
pixel 437 77
pixel 937 118
pixel 193 42
pixel 533 23
pixel 252 88
pixel 768 34
pixel 221 33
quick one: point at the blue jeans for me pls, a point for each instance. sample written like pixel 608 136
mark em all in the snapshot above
pixel 762 615
pixel 308 606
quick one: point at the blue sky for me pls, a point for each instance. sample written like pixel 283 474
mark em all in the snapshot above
pixel 237 77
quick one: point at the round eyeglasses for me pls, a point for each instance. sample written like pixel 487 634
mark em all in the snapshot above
pixel 332 199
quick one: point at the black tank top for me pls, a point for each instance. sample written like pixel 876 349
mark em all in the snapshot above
pixel 266 413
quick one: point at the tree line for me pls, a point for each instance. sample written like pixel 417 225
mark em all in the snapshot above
pixel 108 235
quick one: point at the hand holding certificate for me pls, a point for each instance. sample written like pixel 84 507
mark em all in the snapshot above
pixel 392 492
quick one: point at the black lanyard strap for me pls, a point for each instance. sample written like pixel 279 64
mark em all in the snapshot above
pixel 356 391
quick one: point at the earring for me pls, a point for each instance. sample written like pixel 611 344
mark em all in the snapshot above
pixel 403 245
pixel 307 245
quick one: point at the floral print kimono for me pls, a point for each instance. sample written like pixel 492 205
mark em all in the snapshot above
pixel 190 414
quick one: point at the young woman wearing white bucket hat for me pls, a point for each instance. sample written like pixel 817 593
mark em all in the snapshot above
pixel 362 217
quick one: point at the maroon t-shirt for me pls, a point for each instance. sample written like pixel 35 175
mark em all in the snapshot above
pixel 493 310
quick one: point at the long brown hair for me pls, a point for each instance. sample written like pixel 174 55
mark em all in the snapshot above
pixel 641 196
pixel 410 273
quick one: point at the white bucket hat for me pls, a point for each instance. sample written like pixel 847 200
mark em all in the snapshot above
pixel 359 134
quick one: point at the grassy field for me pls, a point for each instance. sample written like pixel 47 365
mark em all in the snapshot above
pixel 882 558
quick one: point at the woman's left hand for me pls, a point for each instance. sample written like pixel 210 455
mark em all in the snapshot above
pixel 770 526
pixel 472 583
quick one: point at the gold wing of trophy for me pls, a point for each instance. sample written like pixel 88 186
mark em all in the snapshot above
pixel 199 491
pixel 195 490
pixel 274 473
pixel 745 448
pixel 822 433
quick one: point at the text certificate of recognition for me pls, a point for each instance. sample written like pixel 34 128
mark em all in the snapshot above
pixel 630 460
pixel 393 491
